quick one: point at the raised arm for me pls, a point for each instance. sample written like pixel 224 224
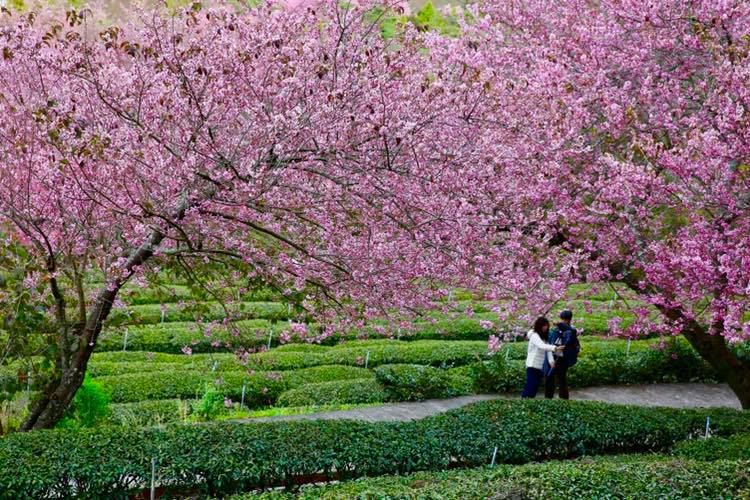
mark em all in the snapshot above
pixel 537 342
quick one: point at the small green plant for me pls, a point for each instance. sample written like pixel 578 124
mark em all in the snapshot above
pixel 90 406
pixel 13 411
pixel 430 18
pixel 211 405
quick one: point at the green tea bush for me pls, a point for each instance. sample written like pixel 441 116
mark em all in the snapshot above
pixel 354 353
pixel 301 348
pixel 221 458
pixel 169 293
pixel 134 295
pixel 171 337
pixel 211 405
pixel 433 353
pixel 625 476
pixel 90 406
pixel 735 447
pixel 415 382
pixel 108 368
pixel 325 373
pixel 336 392
pixel 149 413
pixel 261 388
pixel 208 311
pixel 126 357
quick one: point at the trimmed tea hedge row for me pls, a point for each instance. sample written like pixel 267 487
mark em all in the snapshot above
pixel 415 383
pixel 336 392
pixel 427 352
pixel 261 388
pixel 625 476
pixel 175 293
pixel 735 447
pixel 292 356
pixel 172 337
pixel 152 313
pixel 392 383
pixel 221 458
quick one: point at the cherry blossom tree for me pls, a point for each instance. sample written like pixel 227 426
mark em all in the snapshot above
pixel 298 143
pixel 549 143
pixel 619 135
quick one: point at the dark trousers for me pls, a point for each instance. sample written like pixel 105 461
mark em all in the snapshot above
pixel 559 377
pixel 534 378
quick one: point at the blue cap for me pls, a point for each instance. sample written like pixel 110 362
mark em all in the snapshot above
pixel 566 314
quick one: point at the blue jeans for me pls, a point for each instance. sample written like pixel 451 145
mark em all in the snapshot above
pixel 534 378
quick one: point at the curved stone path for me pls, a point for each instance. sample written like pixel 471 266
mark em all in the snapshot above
pixel 673 395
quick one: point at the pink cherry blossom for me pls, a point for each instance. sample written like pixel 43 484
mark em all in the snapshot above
pixel 494 344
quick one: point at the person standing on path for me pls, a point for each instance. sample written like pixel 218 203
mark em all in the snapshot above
pixel 556 369
pixel 537 351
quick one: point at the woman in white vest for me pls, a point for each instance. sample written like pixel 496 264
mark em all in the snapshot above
pixel 538 349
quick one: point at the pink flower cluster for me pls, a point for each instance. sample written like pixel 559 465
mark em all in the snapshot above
pixel 494 344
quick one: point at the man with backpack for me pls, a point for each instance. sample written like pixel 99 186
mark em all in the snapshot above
pixel 557 371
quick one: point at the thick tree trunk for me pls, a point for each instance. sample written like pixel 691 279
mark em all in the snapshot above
pixel 712 348
pixel 715 351
pixel 59 392
pixel 56 398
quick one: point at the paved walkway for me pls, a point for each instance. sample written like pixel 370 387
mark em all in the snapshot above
pixel 674 395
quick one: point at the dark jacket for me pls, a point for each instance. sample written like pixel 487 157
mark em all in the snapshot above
pixel 569 338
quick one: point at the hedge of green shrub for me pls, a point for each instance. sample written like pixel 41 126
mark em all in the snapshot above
pixel 398 367
pixel 221 458
pixel 324 373
pixel 108 368
pixel 147 413
pixel 261 388
pixel 355 353
pixel 301 347
pixel 434 353
pixel 625 476
pixel 416 382
pixel 172 337
pixel 735 447
pixel 336 392
pixel 603 348
pixel 158 357
pixel 208 311
pixel 609 366
pixel 169 293
pixel 461 328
